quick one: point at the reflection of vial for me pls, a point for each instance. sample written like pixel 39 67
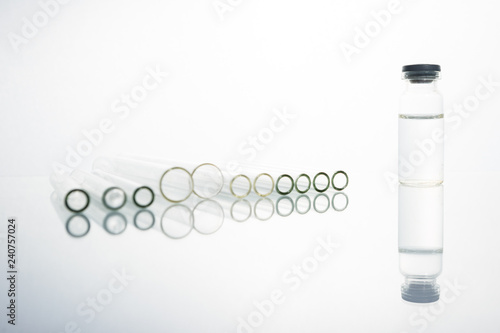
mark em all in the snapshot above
pixel 420 233
pixel 421 127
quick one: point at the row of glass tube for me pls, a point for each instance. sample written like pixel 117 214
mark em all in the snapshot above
pixel 143 179
pixel 203 215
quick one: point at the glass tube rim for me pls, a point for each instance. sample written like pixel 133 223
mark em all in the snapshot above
pixel 327 185
pixel 109 189
pixel 255 184
pixel 221 175
pixel 333 180
pixel 249 186
pixel 190 182
pixel 144 187
pixel 73 191
pixel 308 186
pixel 285 175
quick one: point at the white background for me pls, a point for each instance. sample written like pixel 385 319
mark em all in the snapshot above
pixel 226 74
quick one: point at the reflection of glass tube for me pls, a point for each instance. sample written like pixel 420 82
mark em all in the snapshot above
pixel 302 204
pixel 112 196
pixel 284 206
pixel 263 209
pixel 340 201
pixel 143 196
pixel 208 216
pixel 75 198
pixel 321 203
pixel 112 222
pixel 177 221
pixel 420 231
pixel 241 210
pixel 144 219
pixel 240 186
pixel 321 182
pixel 344 181
pixel 76 224
pixel 174 183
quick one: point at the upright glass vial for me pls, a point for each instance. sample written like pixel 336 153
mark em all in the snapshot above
pixel 421 127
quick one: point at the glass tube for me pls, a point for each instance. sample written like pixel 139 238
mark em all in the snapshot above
pixel 142 195
pixel 174 183
pixel 240 186
pixel 339 180
pixel 208 179
pixel 303 183
pixel 77 225
pixel 321 182
pixel 111 196
pixel 76 199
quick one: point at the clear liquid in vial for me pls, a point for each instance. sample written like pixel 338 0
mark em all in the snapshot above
pixel 421 149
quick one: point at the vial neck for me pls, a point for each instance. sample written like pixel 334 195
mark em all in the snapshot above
pixel 420 84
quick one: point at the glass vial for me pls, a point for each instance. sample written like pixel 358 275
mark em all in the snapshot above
pixel 421 127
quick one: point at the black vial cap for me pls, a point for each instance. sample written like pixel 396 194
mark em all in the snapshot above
pixel 422 68
pixel 421 73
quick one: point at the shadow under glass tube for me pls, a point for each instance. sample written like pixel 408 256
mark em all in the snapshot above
pixel 420 241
